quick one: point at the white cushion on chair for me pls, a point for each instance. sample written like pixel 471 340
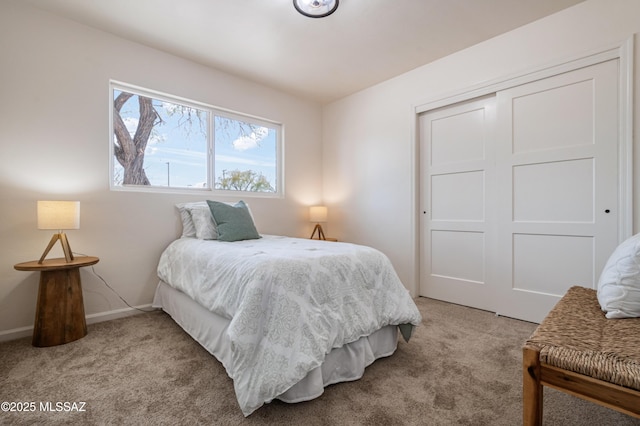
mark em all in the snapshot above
pixel 619 284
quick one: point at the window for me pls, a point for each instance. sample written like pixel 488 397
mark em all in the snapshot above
pixel 161 142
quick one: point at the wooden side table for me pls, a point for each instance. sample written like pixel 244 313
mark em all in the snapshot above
pixel 60 307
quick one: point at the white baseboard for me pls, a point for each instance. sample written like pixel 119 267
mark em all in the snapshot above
pixel 18 333
pixel 15 333
pixel 117 313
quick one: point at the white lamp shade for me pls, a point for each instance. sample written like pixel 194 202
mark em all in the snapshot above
pixel 318 214
pixel 59 215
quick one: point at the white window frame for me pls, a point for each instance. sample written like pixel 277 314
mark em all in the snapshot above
pixel 212 112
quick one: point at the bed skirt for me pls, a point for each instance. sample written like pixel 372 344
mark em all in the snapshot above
pixel 342 364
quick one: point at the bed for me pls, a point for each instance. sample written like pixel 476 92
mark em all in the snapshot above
pixel 286 317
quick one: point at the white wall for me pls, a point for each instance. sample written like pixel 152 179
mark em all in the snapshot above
pixel 369 139
pixel 54 144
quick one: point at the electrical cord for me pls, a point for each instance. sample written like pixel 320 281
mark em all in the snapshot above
pixel 112 289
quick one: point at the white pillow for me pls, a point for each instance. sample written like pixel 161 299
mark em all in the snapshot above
pixel 619 284
pixel 206 227
pixel 188 227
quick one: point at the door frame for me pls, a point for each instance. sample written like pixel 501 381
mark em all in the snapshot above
pixel 622 51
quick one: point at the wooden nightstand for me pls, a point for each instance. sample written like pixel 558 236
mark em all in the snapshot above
pixel 60 307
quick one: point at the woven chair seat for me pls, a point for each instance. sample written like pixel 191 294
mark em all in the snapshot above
pixel 576 336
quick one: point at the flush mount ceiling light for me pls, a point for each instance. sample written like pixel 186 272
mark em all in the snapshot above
pixel 316 8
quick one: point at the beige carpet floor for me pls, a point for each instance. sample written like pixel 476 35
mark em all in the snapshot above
pixel 462 367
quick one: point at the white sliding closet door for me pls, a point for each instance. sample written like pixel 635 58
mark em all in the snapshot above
pixel 519 193
pixel 457 154
pixel 557 160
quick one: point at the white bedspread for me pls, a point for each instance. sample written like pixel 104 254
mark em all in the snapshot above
pixel 290 301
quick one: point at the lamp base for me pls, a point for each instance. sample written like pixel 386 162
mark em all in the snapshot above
pixel 318 228
pixel 68 255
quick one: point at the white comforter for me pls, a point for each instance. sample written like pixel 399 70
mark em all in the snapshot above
pixel 290 301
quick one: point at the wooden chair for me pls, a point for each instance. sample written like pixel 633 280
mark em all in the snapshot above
pixel 577 350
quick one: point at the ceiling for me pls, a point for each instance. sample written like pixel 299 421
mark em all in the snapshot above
pixel 363 43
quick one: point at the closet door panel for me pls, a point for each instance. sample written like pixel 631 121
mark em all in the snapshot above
pixel 567 114
pixel 556 191
pixel 557 170
pixel 456 147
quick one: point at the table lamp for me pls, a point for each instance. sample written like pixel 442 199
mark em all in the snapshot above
pixel 318 214
pixel 59 215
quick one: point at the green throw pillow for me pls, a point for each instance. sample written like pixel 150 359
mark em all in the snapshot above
pixel 234 223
